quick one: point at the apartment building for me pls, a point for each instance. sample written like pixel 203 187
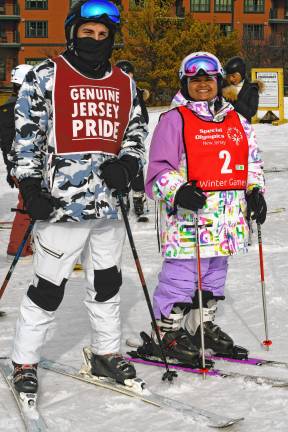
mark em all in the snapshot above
pixel 31 30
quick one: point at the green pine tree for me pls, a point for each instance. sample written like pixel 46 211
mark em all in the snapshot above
pixel 155 41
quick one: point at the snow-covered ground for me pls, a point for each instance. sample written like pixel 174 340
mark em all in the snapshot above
pixel 69 405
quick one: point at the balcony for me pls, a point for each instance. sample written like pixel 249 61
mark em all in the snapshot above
pixel 10 41
pixel 274 17
pixel 10 12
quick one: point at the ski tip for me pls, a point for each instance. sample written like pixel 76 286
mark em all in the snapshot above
pixel 229 423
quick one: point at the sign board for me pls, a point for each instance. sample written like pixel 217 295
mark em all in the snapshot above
pixel 272 97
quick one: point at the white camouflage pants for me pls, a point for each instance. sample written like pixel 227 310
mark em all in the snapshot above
pixel 58 247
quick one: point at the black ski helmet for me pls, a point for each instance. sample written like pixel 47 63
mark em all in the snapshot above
pixel 126 66
pixel 99 11
pixel 235 64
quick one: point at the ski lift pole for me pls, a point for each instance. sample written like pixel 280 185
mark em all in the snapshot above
pixel 168 374
pixel 267 342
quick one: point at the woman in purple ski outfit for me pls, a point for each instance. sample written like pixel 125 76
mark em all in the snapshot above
pixel 202 139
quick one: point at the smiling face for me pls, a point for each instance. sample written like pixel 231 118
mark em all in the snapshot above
pixel 202 88
pixel 97 31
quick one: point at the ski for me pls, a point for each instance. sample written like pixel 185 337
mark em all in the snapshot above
pixel 2 314
pixel 252 361
pixel 136 388
pixel 154 361
pixel 26 402
pixel 275 382
pixel 275 170
pixel 5 225
pixel 276 210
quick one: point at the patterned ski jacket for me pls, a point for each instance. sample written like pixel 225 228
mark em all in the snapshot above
pixel 223 228
pixel 73 179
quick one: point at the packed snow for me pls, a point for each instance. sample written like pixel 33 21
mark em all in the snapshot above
pixel 70 405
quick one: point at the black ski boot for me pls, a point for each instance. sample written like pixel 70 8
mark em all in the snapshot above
pixel 138 203
pixel 112 366
pixel 216 341
pixel 25 378
pixel 176 342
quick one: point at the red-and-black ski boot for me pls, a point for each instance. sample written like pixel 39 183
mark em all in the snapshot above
pixel 25 378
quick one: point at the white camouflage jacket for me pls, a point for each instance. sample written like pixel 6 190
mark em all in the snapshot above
pixel 74 180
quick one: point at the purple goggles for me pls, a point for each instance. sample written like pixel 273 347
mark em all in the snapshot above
pixel 209 65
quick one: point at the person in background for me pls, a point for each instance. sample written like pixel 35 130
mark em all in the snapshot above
pixel 137 185
pixel 7 134
pixel 239 91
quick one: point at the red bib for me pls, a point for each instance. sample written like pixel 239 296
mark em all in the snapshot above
pixel 90 115
pixel 217 153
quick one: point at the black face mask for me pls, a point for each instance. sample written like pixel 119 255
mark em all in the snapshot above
pixel 94 52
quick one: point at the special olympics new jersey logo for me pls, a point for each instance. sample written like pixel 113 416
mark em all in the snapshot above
pixel 235 135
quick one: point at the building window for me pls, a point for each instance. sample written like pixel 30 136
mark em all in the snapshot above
pixel 36 29
pixel 254 31
pixel 286 9
pixel 225 29
pixel 2 7
pixel 2 70
pixel 34 61
pixel 223 5
pixel 254 6
pixel 36 4
pixel 200 5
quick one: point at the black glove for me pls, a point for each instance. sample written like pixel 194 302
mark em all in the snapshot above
pixel 190 197
pixel 256 206
pixel 118 173
pixel 39 204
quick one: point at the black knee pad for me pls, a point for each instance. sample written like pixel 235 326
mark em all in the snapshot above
pixel 107 283
pixel 47 295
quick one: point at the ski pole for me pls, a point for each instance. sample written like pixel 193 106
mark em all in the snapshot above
pixel 168 374
pixel 250 232
pixel 200 299
pixel 16 258
pixel 267 342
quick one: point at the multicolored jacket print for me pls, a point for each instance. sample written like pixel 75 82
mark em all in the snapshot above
pixel 223 229
pixel 73 180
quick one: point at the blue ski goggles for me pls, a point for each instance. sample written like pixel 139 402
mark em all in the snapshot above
pixel 208 64
pixel 94 9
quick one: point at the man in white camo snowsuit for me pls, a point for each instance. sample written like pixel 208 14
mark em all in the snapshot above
pixel 79 138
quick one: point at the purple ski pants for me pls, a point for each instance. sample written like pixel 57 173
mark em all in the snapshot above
pixel 178 281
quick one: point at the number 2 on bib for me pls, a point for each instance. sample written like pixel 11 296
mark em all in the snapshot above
pixel 224 154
